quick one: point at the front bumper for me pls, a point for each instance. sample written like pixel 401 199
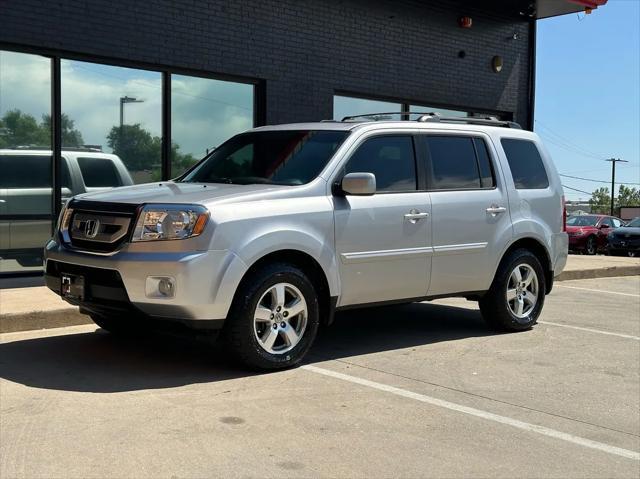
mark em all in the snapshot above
pixel 577 242
pixel 117 282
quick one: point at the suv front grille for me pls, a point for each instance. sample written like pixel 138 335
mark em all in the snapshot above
pixel 100 227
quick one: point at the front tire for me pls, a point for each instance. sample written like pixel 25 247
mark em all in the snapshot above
pixel 592 246
pixel 274 318
pixel 516 296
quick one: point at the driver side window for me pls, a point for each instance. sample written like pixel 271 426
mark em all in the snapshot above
pixel 391 159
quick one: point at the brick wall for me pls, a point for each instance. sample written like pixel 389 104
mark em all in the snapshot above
pixel 303 49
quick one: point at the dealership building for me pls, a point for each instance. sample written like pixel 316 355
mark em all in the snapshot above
pixel 159 83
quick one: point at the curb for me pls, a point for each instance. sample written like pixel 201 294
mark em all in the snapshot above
pixel 33 320
pixel 70 316
pixel 599 273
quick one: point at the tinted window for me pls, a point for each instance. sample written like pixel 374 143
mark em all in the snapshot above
pixel 25 171
pixel 525 164
pixel 390 158
pixel 453 163
pixel 606 222
pixel 484 164
pixel 616 222
pixel 291 157
pixel 98 172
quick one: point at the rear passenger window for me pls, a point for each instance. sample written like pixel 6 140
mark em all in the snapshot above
pixel 26 171
pixel 390 158
pixel 99 172
pixel 525 163
pixel 453 163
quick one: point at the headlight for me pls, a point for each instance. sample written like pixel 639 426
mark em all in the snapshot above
pixel 170 222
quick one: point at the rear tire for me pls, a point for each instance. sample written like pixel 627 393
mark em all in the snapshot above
pixel 516 296
pixel 274 318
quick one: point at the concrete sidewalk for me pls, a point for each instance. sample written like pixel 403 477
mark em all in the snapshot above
pixel 27 305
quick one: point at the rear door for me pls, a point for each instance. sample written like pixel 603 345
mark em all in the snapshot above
pixel 470 217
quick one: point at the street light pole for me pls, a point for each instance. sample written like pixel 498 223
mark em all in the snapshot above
pixel 613 179
pixel 123 100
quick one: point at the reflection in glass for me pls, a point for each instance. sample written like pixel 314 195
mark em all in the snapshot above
pixel 348 106
pixel 25 160
pixel 204 114
pixel 436 109
pixel 114 110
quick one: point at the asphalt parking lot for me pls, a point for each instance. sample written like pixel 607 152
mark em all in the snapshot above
pixel 422 390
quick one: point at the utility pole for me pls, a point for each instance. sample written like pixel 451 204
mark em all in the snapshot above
pixel 613 178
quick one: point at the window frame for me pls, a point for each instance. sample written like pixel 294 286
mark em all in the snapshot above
pixel 419 168
pixel 473 137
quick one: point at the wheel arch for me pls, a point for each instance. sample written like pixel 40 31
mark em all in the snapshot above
pixel 310 266
pixel 540 251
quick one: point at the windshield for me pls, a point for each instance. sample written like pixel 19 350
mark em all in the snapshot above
pixel 634 223
pixel 582 220
pixel 287 157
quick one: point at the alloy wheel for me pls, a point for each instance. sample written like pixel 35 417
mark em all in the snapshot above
pixel 280 318
pixel 522 291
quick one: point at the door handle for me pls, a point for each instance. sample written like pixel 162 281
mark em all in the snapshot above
pixel 495 209
pixel 414 216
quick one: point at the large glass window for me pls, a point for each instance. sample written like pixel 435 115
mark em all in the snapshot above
pixel 25 160
pixel 348 106
pixel 525 163
pixel 269 157
pixel 390 159
pixel 204 114
pixel 115 110
pixel 437 109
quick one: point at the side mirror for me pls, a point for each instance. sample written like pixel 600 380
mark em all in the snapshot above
pixel 604 226
pixel 359 184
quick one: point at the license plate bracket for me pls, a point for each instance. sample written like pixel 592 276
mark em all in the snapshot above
pixel 72 286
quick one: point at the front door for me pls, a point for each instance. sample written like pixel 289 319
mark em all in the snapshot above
pixel 383 241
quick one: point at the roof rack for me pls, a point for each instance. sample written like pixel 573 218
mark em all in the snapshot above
pixel 436 117
pixel 84 148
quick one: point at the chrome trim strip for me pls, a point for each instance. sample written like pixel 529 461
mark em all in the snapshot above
pixel 384 255
pixel 458 248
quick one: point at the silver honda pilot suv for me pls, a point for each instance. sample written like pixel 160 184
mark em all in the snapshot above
pixel 281 226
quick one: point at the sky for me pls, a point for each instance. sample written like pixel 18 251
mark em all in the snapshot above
pixel 588 94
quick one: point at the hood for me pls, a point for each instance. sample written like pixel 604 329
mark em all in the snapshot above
pixel 574 229
pixel 170 192
pixel 627 230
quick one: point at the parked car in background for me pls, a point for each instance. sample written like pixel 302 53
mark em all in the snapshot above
pixel 588 233
pixel 625 240
pixel 26 195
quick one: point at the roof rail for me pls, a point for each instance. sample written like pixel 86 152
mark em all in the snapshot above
pixel 424 117
pixel 84 148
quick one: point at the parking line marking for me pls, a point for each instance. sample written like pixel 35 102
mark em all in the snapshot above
pixel 545 431
pixel 599 291
pixel 620 335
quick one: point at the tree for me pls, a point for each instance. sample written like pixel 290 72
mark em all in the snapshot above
pixel 600 200
pixel 70 136
pixel 628 196
pixel 21 129
pixel 141 151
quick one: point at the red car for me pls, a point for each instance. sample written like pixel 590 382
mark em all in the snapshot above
pixel 588 233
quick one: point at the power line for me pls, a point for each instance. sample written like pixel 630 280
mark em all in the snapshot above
pixel 597 181
pixel 569 143
pixel 575 189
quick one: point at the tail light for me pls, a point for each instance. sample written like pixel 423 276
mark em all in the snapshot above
pixel 564 215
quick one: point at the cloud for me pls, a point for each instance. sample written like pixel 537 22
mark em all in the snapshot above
pixel 204 112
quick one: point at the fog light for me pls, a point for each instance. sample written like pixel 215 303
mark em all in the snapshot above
pixel 160 287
